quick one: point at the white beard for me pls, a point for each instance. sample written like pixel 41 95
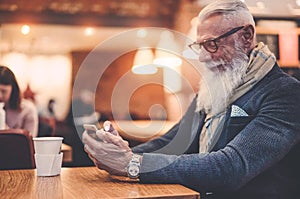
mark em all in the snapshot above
pixel 216 88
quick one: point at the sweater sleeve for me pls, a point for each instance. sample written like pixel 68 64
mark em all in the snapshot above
pixel 261 144
pixel 157 143
pixel 177 131
pixel 30 118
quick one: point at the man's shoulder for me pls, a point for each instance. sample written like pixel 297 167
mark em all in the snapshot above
pixel 276 79
pixel 279 75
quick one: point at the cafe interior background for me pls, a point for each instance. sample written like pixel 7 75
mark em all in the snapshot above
pixel 46 42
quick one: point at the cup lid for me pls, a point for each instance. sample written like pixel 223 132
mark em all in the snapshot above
pixel 47 138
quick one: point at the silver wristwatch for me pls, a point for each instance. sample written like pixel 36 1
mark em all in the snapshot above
pixel 133 168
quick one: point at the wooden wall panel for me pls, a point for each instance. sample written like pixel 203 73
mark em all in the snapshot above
pixel 118 78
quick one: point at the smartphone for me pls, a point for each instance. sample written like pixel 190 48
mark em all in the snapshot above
pixel 91 130
pixel 108 127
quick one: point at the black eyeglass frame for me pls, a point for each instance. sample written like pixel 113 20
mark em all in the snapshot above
pixel 230 32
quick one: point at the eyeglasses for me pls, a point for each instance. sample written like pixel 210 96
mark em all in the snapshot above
pixel 211 44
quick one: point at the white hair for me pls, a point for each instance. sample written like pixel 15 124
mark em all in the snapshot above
pixel 235 11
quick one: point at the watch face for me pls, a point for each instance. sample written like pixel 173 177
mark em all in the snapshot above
pixel 133 170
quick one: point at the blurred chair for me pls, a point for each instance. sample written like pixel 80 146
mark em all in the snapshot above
pixel 16 149
pixel 47 126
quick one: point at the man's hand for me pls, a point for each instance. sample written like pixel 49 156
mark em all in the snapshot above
pixel 113 154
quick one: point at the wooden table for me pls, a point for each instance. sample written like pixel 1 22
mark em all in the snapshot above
pixel 83 182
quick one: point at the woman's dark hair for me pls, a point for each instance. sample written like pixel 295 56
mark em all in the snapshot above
pixel 7 77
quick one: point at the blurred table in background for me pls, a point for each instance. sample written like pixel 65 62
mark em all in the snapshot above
pixel 142 130
pixel 67 153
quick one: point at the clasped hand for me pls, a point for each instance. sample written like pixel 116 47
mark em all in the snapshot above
pixel 110 152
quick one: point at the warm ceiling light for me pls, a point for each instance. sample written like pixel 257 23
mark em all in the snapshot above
pixel 25 29
pixel 166 59
pixel 165 51
pixel 298 2
pixel 260 5
pixel 142 63
pixel 148 69
pixel 89 31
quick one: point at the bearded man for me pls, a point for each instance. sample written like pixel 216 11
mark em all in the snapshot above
pixel 239 137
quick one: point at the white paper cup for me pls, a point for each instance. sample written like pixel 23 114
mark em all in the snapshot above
pixel 48 164
pixel 47 145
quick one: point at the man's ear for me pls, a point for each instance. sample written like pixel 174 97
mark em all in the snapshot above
pixel 248 35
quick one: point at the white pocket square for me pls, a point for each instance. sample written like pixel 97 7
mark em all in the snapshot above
pixel 237 112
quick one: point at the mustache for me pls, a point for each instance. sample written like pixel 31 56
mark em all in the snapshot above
pixel 213 64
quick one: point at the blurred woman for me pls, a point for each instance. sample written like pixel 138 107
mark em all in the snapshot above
pixel 20 113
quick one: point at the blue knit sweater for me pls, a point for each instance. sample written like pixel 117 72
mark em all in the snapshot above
pixel 257 156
